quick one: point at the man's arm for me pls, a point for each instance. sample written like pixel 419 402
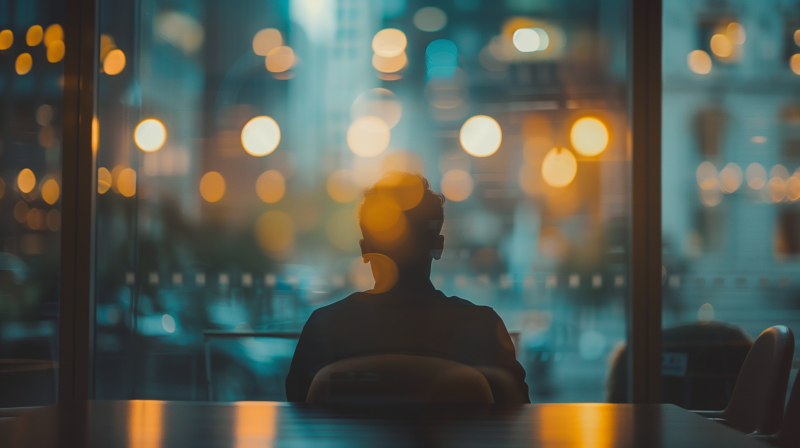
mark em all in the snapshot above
pixel 505 375
pixel 301 371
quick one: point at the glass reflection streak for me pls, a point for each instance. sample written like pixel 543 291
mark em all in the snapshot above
pixel 255 424
pixel 145 424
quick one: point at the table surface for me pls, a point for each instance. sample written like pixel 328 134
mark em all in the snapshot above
pixel 152 424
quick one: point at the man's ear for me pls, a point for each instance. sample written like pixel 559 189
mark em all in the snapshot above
pixel 365 249
pixel 438 247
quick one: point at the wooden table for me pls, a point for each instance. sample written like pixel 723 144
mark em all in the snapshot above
pixel 155 424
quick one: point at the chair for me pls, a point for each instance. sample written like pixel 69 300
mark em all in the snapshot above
pixel 399 379
pixel 756 405
pixel 789 435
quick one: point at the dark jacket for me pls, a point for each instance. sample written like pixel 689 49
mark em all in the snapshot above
pixel 419 322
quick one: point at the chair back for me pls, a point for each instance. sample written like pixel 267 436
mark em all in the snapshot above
pixel 399 379
pixel 756 405
pixel 789 435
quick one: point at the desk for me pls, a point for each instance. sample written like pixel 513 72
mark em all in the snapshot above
pixel 155 424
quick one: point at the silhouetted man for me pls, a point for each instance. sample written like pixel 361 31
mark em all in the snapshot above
pixel 400 219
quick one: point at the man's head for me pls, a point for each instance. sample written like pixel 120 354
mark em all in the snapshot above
pixel 401 217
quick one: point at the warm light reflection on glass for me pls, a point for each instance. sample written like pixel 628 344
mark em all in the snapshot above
pixel 384 272
pixel 212 186
pixel 480 136
pixel 50 191
pixel 150 135
pixel 55 51
pixel 794 63
pixel 254 425
pixel 270 186
pixel 280 59
pixel 699 62
pixel 706 175
pixel 126 182
pixel 589 136
pixel 793 188
pixel 756 176
pixel 457 185
pixel 104 180
pixel 23 64
pixel 430 19
pixel 145 423
pixel 736 33
pixel 705 314
pixel 26 180
pixel 54 33
pixel 731 178
pixel 95 134
pixel 389 64
pixel 381 103
pixel 584 425
pixel 389 43
pixel 559 167
pixel 275 233
pixel 342 186
pixel 6 39
pixel 721 45
pixel 34 35
pixel 266 40
pixel 368 136
pixel 114 62
pixel 777 189
pixel 260 136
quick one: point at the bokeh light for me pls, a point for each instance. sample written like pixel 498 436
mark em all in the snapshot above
pixel 756 176
pixel 114 62
pixel 381 103
pixel 480 136
pixel 95 134
pixel 589 136
pixel 383 221
pixel 35 219
pixel 126 182
pixel 23 64
pixel 731 177
pixel 400 190
pixel 389 42
pixel 779 171
pixel 721 45
pixel 368 136
pixel 104 180
pixel 50 191
pixel 699 62
pixel 528 40
pixel 34 35
pixel 441 59
pixel 794 63
pixel 115 177
pixel 270 186
pixel 150 135
pixel 6 39
pixel 705 314
pixel 55 51
pixel 712 197
pixel 776 188
pixel 736 33
pixel 384 272
pixel 389 64
pixel 793 188
pixel 266 40
pixel 559 167
pixel 457 185
pixel 280 59
pixel 26 180
pixel 275 232
pixel 168 323
pixel 342 186
pixel 406 161
pixel 260 136
pixel 53 34
pixel 212 186
pixel 707 177
pixel 430 19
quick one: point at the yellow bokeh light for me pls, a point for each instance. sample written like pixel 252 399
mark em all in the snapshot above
pixel 756 176
pixel 712 197
pixel 104 180
pixel 114 62
pixel 721 45
pixel 275 232
pixel 280 59
pixel 706 175
pixel 35 219
pixel 777 189
pixel 368 136
pixel 115 177
pixel 212 186
pixel 342 186
pixel 390 64
pixel 699 62
pixel 384 272
pixel 559 167
pixel 260 136
pixel 731 178
pixel 389 42
pixel 480 136
pixel 55 51
pixel 266 40
pixel 589 136
pixel 457 185
pixel 34 35
pixel 270 186
pixel 400 190
pixel 24 63
pixel 793 188
pixel 6 39
pixel 383 221
pixel 26 180
pixel 53 34
pixel 794 63
pixel 381 103
pixel 150 135
pixel 50 191
pixel 736 33
pixel 126 182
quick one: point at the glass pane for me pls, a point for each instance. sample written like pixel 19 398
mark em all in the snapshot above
pixel 731 185
pixel 235 144
pixel 31 81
